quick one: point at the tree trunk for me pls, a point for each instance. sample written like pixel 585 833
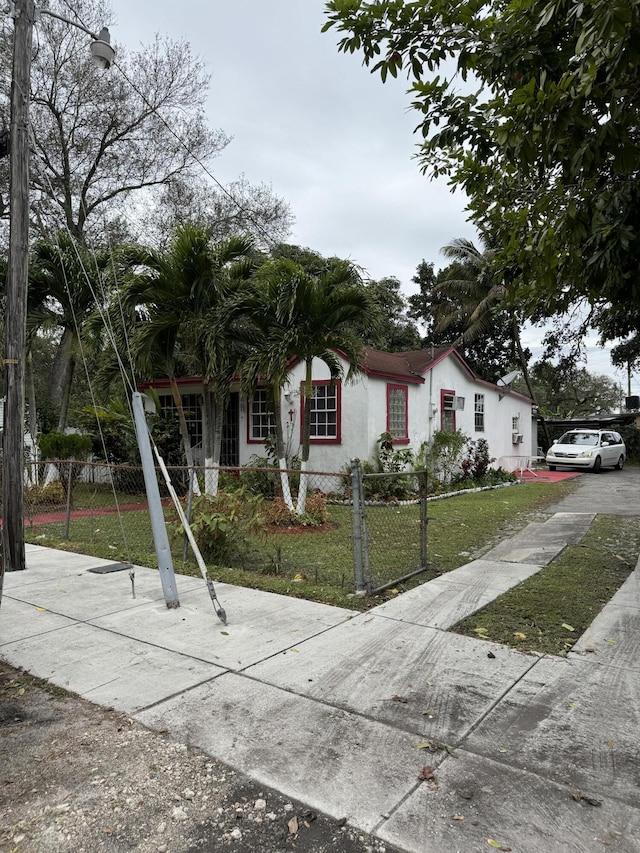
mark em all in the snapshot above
pixel 62 372
pixel 212 415
pixel 306 439
pixel 280 452
pixel 515 331
pixel 184 432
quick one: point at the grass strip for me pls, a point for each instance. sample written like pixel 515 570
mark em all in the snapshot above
pixel 318 564
pixel 550 610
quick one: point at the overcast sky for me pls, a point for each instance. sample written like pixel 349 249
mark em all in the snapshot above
pixel 327 135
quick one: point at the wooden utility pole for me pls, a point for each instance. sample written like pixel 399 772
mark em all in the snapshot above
pixel 16 295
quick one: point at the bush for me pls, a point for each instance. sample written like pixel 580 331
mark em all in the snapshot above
pixel 50 495
pixel 222 524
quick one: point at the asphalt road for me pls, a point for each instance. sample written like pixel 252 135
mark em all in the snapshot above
pixel 609 492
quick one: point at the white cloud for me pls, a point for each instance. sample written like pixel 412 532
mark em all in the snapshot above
pixel 326 134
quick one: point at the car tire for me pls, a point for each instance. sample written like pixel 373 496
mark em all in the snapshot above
pixel 620 463
pixel 552 467
pixel 597 465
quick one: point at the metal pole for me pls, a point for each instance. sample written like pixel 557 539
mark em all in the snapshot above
pixel 68 514
pixel 160 537
pixel 422 479
pixel 185 544
pixel 16 296
pixel 360 558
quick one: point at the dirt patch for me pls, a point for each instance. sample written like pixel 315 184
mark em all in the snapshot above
pixel 78 778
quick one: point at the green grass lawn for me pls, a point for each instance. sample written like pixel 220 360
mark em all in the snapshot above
pixel 550 610
pixel 318 564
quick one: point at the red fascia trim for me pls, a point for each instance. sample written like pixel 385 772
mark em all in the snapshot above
pixel 166 383
pixel 502 390
pixel 403 439
pixel 338 387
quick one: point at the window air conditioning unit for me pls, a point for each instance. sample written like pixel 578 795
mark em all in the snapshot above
pixel 517 438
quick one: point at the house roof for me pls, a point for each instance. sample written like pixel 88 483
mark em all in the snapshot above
pixel 410 366
pixel 405 366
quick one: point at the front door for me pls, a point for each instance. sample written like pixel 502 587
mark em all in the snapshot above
pixel 230 450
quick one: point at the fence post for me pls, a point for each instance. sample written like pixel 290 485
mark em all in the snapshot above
pixel 185 544
pixel 360 547
pixel 68 513
pixel 423 490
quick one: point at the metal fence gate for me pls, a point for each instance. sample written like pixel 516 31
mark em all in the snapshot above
pixel 389 527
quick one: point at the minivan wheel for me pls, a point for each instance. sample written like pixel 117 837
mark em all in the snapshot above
pixel 552 467
pixel 620 463
pixel 597 465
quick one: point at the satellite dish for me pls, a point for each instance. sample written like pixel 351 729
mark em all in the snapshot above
pixel 505 381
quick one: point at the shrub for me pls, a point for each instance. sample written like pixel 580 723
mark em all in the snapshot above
pixel 60 447
pixel 50 495
pixel 222 524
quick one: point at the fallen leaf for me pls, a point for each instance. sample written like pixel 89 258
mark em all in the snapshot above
pixel 611 641
pixel 430 713
pixel 611 743
pixel 579 796
pixel 572 705
pixel 297 651
pixel 425 744
pixel 480 630
pixel 568 627
pixel 293 825
pixel 224 633
pixel 427 774
pixel 396 698
pixel 497 844
pixel 21 691
pixel 41 609
pixel 457 817
pixel 519 635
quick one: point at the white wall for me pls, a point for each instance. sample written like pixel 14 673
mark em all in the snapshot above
pixel 364 416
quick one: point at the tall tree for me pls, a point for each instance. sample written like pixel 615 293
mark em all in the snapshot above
pixel 389 326
pixel 98 138
pixel 477 300
pixel 178 296
pixel 306 317
pixel 489 356
pixel 67 283
pixel 532 107
pixel 566 391
pixel 238 208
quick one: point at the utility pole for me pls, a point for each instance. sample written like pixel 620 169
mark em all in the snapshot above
pixel 23 11
pixel 16 295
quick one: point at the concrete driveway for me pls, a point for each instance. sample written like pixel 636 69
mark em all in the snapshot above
pixel 609 492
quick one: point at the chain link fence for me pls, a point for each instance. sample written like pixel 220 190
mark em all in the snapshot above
pixel 390 527
pixel 357 533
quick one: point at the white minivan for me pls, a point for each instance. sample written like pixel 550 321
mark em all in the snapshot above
pixel 588 449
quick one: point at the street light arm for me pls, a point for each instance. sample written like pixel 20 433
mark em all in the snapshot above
pixel 68 21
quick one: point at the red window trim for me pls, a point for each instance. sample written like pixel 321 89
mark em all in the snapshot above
pixel 249 439
pixel 403 439
pixel 444 391
pixel 338 386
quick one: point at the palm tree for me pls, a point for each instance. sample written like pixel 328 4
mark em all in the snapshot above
pixel 306 316
pixel 66 283
pixel 475 298
pixel 177 295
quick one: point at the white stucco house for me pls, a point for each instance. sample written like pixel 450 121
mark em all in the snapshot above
pixel 408 394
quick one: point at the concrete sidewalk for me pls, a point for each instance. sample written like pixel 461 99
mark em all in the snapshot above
pixel 329 706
